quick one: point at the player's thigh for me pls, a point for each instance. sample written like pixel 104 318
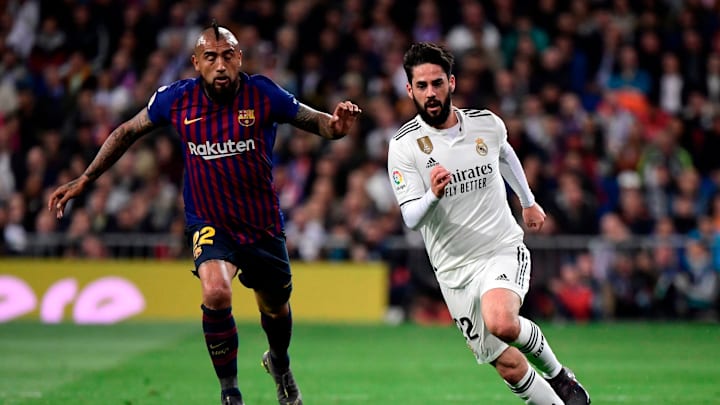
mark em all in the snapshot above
pixel 212 253
pixel 508 269
pixel 465 307
pixel 265 267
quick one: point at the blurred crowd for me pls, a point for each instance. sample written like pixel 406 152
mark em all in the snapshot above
pixel 613 106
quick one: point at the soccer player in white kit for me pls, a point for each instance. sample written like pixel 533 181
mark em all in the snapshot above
pixel 447 166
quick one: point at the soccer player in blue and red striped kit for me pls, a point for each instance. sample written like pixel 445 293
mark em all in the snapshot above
pixel 227 123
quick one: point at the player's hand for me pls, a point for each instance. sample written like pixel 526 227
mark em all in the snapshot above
pixel 344 118
pixel 439 178
pixel 60 197
pixel 534 217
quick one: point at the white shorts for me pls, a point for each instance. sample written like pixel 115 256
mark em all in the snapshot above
pixel 509 268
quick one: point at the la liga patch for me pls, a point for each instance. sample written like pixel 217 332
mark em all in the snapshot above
pixel 398 179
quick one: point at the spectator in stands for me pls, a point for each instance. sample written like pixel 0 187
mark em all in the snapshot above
pixel 474 31
pixel 615 238
pixel 7 180
pixel 524 40
pixel 706 234
pixel 574 297
pixel 428 26
pixel 15 230
pixel 697 282
pixel 24 26
pixel 573 208
pixel 624 287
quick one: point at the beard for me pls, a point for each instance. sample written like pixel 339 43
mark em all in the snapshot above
pixel 434 120
pixel 222 95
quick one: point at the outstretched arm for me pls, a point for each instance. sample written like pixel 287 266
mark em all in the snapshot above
pixel 117 143
pixel 328 126
pixel 512 171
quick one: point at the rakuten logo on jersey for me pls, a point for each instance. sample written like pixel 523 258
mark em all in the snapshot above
pixel 209 151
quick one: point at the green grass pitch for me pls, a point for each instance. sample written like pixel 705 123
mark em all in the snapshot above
pixel 148 364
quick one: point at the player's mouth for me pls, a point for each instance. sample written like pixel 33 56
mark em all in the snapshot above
pixel 433 107
pixel 221 81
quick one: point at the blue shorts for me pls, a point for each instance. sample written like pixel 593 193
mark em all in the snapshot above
pixel 263 265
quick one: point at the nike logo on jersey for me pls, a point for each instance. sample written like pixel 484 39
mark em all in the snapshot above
pixel 188 122
pixel 431 163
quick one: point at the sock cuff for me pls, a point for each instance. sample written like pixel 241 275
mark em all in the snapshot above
pixel 528 337
pixel 267 318
pixel 525 324
pixel 525 383
pixel 216 313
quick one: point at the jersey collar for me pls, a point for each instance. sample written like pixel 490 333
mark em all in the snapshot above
pixel 441 132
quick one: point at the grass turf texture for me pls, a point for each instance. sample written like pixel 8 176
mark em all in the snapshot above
pixel 147 364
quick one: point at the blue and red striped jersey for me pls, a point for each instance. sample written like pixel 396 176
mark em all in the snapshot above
pixel 228 180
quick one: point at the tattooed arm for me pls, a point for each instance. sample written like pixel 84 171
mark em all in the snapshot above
pixel 114 147
pixel 328 126
pixel 118 143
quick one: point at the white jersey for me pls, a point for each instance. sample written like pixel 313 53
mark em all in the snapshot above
pixel 473 219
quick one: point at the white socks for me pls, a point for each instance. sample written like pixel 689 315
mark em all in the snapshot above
pixel 533 389
pixel 531 342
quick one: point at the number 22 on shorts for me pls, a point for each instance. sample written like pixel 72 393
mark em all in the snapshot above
pixel 202 237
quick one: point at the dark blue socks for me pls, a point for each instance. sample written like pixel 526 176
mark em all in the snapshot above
pixel 278 331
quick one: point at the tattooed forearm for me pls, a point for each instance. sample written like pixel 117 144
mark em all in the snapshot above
pixel 118 142
pixel 313 121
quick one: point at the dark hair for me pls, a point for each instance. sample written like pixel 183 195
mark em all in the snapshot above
pixel 427 52
pixel 216 29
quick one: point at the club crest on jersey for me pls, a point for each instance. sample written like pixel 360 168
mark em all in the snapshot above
pixel 425 144
pixel 246 118
pixel 480 147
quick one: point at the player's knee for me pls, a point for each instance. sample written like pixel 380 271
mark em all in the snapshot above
pixel 504 328
pixel 217 296
pixel 274 303
pixel 275 310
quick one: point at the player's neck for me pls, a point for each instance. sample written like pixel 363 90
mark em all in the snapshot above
pixel 216 98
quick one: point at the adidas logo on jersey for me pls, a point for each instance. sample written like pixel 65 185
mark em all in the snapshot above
pixel 431 163
pixel 502 277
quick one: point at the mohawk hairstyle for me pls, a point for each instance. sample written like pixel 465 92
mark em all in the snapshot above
pixel 216 29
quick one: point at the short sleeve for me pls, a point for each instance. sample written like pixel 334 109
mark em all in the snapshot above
pixel 160 102
pixel 502 129
pixel 283 104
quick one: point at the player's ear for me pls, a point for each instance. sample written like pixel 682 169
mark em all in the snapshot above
pixel 408 86
pixel 451 82
pixel 195 62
